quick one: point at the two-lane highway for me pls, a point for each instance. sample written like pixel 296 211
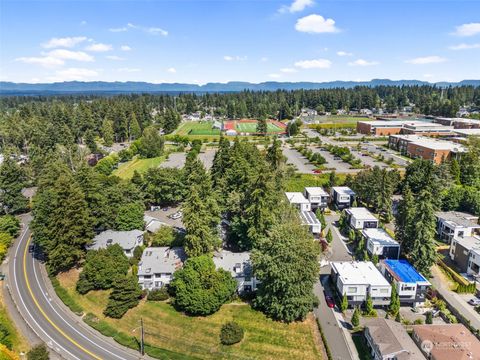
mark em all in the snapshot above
pixel 60 329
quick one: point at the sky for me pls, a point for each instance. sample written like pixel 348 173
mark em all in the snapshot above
pixel 197 41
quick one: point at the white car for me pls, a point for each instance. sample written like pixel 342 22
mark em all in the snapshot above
pixel 474 301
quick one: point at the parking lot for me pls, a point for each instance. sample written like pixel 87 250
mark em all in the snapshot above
pixel 177 160
pixel 387 153
pixel 338 164
pixel 298 160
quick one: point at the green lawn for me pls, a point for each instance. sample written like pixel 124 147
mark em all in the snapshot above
pixel 197 128
pixel 198 337
pixel 19 343
pixel 125 171
pixel 251 127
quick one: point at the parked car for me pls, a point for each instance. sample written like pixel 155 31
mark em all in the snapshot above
pixel 474 301
pixel 330 301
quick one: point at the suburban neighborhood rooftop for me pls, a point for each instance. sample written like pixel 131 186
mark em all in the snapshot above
pixel 163 259
pixel 126 239
pixel 296 198
pixel 316 191
pixel 238 264
pixel 458 218
pixel 359 272
pixel 404 272
pixel 343 190
pixel 361 213
pixel 309 218
pixel 379 237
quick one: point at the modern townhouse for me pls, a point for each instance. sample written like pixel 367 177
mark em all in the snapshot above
pixel 299 201
pixel 379 243
pixel 342 197
pixel 453 224
pixel 411 285
pixel 317 197
pixel 157 266
pixel 359 218
pixel 463 252
pixel 309 219
pixel 358 280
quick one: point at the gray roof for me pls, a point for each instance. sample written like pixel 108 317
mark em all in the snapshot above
pixel 469 242
pixel 309 218
pixel 153 224
pixel 164 259
pixel 392 339
pixel 126 239
pixel 238 264
pixel 458 218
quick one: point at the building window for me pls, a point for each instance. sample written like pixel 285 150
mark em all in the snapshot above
pixel 352 289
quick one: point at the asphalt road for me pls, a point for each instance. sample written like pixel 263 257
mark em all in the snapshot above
pixel 40 308
pixel 332 327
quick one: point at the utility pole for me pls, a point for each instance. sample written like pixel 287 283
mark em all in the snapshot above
pixel 142 344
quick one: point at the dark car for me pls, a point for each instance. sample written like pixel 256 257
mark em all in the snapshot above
pixel 330 301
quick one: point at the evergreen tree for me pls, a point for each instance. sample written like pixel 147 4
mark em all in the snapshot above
pixel 262 127
pixel 329 236
pixel 332 179
pixel 286 263
pixel 356 317
pixel 107 132
pixel 134 129
pixel 423 252
pixel 455 171
pixel 151 143
pixel 405 221
pixel 130 217
pixel 12 181
pixel 394 306
pixel 124 296
pixel 274 154
pixel 369 306
pixel 321 218
pixel 344 305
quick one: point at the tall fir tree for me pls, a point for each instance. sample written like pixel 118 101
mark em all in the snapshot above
pixel 404 221
pixel 12 181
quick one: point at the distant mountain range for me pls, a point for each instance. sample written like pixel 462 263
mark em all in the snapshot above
pixel 10 88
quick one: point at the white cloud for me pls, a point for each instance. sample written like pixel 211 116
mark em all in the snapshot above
pixel 125 48
pixel 315 24
pixel 362 62
pixel 264 59
pixel 296 6
pixel 114 57
pixel 467 29
pixel 426 60
pixel 99 47
pixel 344 53
pixel 288 70
pixel 274 76
pixel 120 29
pixel 70 55
pixel 129 70
pixel 172 70
pixel 150 30
pixel 314 64
pixel 156 31
pixel 73 74
pixel 234 58
pixel 45 61
pixel 66 42
pixel 464 46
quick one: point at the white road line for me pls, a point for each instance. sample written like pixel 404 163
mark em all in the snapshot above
pixel 23 302
pixel 65 321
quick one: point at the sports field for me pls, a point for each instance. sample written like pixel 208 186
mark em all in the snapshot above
pixel 197 128
pixel 250 126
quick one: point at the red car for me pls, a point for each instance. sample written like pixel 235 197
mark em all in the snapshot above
pixel 317 171
pixel 330 301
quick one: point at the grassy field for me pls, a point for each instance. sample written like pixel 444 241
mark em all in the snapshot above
pixel 251 127
pixel 125 171
pixel 198 337
pixel 197 128
pixel 299 181
pixel 19 343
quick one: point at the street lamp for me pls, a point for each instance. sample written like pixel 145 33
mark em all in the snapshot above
pixel 142 342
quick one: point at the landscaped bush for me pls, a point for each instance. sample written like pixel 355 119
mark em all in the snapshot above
pixel 65 297
pixel 231 333
pixel 38 352
pixel 429 318
pixel 158 294
pixel 466 289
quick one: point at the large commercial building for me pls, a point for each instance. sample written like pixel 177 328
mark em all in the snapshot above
pixel 458 123
pixel 394 127
pixel 427 148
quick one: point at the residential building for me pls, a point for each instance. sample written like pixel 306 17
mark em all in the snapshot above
pixel 462 253
pixel 309 219
pixel 299 201
pixel 474 262
pixel 379 243
pixel 454 224
pixel 239 266
pixel 446 342
pixel 128 240
pixel 317 197
pixel 157 265
pixel 359 218
pixel 411 285
pixel 358 280
pixel 153 224
pixel 388 340
pixel 342 197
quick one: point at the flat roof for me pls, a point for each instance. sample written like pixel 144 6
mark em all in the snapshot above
pixel 237 264
pixel 296 198
pixel 379 237
pixel 458 218
pixel 359 272
pixel 309 218
pixel 361 213
pixel 163 259
pixel 469 242
pixel 404 272
pixel 316 191
pixel 468 132
pixel 343 190
pixel 439 144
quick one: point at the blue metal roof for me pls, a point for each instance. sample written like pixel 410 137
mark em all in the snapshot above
pixel 404 272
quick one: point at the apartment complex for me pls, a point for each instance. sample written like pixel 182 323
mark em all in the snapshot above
pixel 455 224
pixel 465 253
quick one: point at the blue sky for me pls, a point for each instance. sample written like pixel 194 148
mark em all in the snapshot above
pixel 238 40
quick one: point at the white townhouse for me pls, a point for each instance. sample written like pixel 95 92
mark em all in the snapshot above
pixel 453 224
pixel 309 219
pixel 379 243
pixel 299 201
pixel 317 197
pixel 157 266
pixel 342 197
pixel 359 218
pixel 357 280
pixel 128 240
